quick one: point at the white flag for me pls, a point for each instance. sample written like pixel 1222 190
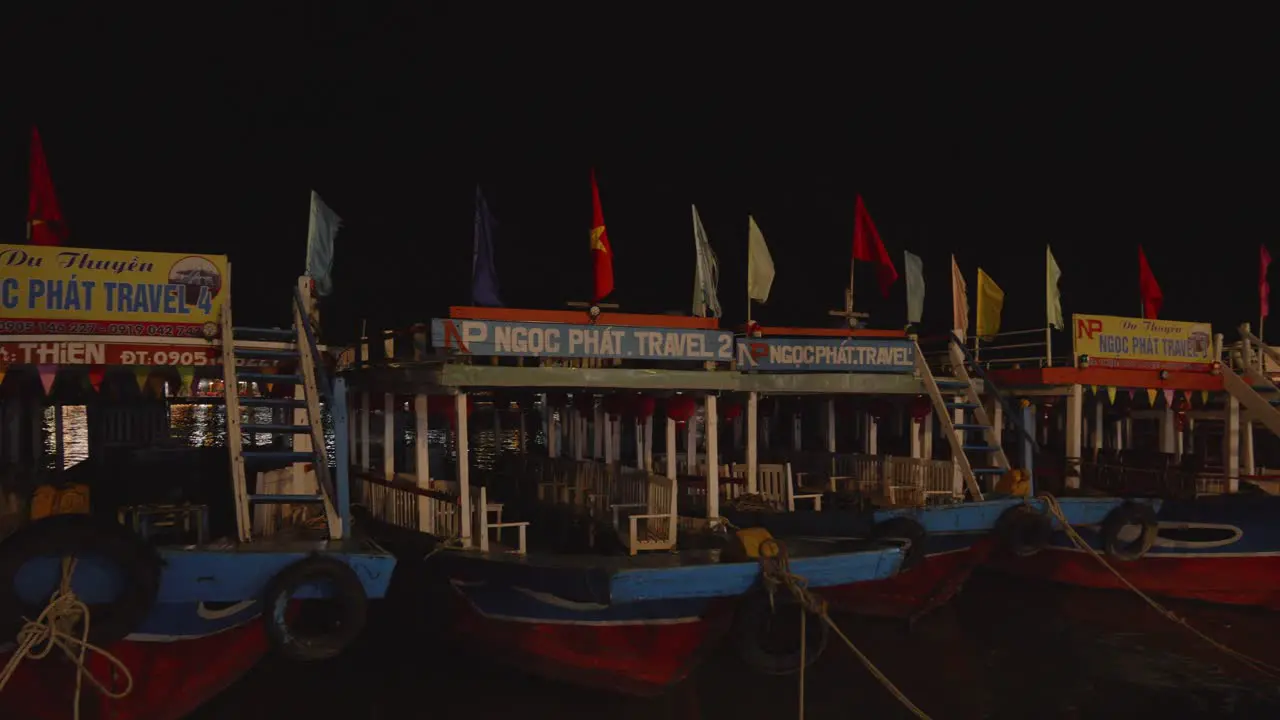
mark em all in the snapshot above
pixel 322 229
pixel 759 264
pixel 1053 298
pixel 706 275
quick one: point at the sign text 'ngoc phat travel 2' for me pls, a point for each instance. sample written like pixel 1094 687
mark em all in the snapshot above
pixel 50 290
pixel 561 340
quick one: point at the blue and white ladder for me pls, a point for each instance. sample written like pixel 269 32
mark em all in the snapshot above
pixel 306 354
pixel 974 456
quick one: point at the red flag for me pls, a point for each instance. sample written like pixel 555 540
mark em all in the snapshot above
pixel 1264 288
pixel 601 251
pixel 1152 298
pixel 44 219
pixel 868 247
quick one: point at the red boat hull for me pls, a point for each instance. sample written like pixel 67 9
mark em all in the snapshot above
pixel 643 658
pixel 915 592
pixel 1227 579
pixel 170 679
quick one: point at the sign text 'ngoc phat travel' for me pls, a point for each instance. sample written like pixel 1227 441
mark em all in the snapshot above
pixel 562 340
pixel 50 290
pixel 853 355
pixel 1143 344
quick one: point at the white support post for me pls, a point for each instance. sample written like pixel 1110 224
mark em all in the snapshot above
pixel 597 433
pixel 464 467
pixel 927 442
pixel 753 439
pixel 388 435
pixel 608 440
pixel 648 444
pixel 671 448
pixel 916 429
pixel 353 429
pixel 713 461
pixel 1075 429
pixel 1231 444
pixel 1099 426
pixel 691 443
pixel 366 409
pixel 797 431
pixel 995 413
pixel 422 461
pixel 1246 448
pixel 831 425
pixel 873 443
pixel 617 439
pixel 640 444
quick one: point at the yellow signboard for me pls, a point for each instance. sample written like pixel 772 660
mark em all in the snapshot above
pixel 48 290
pixel 1143 344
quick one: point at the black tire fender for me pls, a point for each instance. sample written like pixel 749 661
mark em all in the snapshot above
pixel 348 593
pixel 81 536
pixel 751 621
pixel 904 528
pixel 1023 530
pixel 1130 513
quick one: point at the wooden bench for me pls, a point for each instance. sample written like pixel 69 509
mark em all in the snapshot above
pixel 656 496
pixel 480 499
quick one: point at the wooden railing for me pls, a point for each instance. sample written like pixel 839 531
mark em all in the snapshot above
pixel 900 480
pixel 402 503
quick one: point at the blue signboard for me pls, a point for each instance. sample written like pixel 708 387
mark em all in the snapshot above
pixel 850 355
pixel 563 340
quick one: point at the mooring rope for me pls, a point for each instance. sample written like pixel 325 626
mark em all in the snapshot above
pixel 775 571
pixel 54 628
pixel 1259 666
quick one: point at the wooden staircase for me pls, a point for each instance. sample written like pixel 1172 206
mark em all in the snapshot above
pixel 309 376
pixel 1247 381
pixel 975 442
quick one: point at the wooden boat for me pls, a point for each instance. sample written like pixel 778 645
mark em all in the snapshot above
pixel 189 579
pixel 1172 427
pixel 608 576
pixel 954 511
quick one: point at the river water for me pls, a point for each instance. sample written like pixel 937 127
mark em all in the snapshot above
pixel 1002 649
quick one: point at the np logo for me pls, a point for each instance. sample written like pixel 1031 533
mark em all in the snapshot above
pixel 1086 327
pixel 750 352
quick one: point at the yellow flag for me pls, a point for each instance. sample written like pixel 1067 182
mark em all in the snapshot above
pixel 1151 396
pixel 1111 394
pixel 990 304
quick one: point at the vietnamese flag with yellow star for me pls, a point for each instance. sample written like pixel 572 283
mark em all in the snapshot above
pixel 601 252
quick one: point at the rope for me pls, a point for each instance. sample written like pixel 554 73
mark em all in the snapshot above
pixel 54 628
pixel 752 502
pixel 775 572
pixel 1259 666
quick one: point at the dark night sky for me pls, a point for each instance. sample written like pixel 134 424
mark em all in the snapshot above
pixel 205 134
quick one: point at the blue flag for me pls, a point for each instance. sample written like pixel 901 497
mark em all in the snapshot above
pixel 484 278
pixel 321 232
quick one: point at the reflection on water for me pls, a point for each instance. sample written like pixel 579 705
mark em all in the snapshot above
pixel 205 425
pixel 194 424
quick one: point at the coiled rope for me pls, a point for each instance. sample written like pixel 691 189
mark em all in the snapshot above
pixel 54 628
pixel 775 571
pixel 1259 666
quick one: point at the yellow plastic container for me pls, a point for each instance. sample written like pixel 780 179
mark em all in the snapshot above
pixel 752 539
pixel 1015 482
